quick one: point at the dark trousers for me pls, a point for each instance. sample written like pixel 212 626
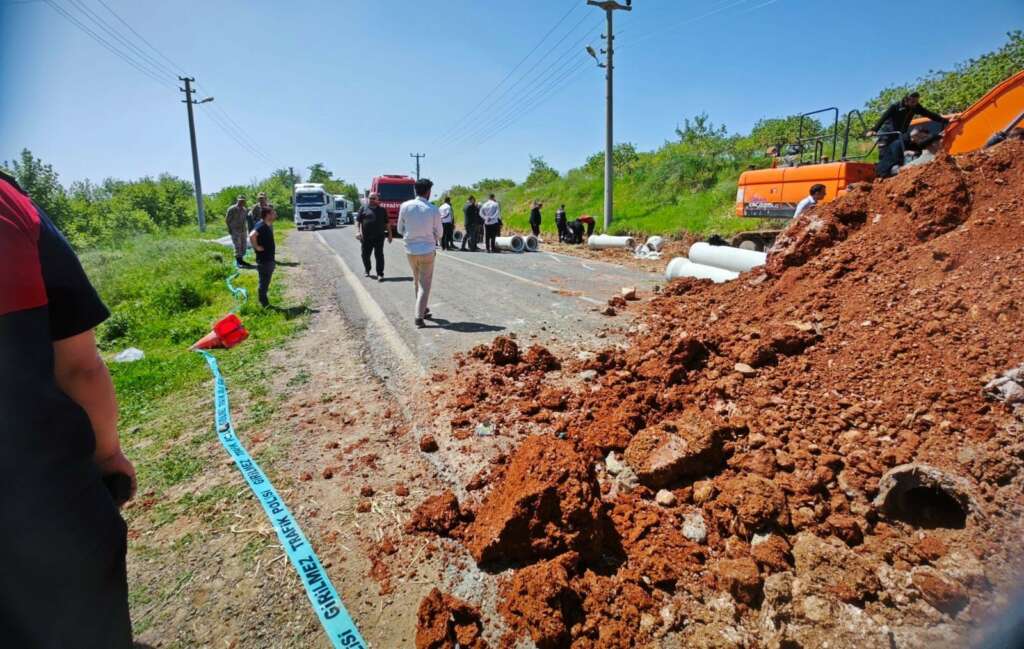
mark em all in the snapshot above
pixel 590 227
pixel 472 238
pixel 491 233
pixel 376 246
pixel 446 236
pixel 265 269
pixel 536 229
pixel 890 154
pixel 562 230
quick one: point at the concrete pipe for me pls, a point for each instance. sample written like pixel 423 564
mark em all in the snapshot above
pixel 602 241
pixel 655 243
pixel 683 267
pixel 458 236
pixel 727 257
pixel 532 243
pixel 514 243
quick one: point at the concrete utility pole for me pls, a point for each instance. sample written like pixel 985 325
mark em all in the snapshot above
pixel 609 176
pixel 417 156
pixel 188 101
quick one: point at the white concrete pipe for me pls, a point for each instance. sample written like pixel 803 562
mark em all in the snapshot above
pixel 655 243
pixel 727 257
pixel 532 243
pixel 458 236
pixel 602 241
pixel 514 243
pixel 683 267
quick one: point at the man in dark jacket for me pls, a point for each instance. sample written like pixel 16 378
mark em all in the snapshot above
pixel 561 222
pixel 535 218
pixel 372 230
pixel 471 221
pixel 895 126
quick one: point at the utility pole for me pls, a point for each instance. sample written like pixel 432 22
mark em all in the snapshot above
pixel 609 173
pixel 417 156
pixel 188 101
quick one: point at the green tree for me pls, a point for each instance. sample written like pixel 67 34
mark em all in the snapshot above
pixel 540 172
pixel 41 182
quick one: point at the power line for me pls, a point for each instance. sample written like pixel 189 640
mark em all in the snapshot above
pixel 666 28
pixel 142 38
pixel 114 50
pixel 135 51
pixel 454 126
pixel 537 87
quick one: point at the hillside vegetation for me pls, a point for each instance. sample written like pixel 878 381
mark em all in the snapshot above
pixel 689 183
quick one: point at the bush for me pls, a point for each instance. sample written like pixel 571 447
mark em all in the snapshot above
pixel 179 296
pixel 116 328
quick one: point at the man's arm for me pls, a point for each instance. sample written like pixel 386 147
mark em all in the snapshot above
pixel 253 239
pixel 921 110
pixel 438 228
pixel 83 376
pixel 881 120
pixel 400 226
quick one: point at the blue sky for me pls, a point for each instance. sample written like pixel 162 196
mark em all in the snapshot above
pixel 360 84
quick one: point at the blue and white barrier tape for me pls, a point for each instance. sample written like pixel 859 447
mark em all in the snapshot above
pixel 326 602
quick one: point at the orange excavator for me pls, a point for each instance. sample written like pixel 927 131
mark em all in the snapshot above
pixel 772 194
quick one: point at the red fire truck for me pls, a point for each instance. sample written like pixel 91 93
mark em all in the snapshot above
pixel 393 191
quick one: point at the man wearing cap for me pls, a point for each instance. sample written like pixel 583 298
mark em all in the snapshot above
pixel 238 227
pixel 256 213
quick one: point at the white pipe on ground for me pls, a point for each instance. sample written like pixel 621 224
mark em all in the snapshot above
pixel 514 243
pixel 458 235
pixel 602 241
pixel 683 267
pixel 532 243
pixel 727 257
pixel 655 243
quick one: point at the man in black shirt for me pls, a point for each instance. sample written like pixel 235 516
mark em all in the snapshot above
pixel 64 582
pixel 535 218
pixel 372 229
pixel 561 222
pixel 895 124
pixel 471 221
pixel 262 238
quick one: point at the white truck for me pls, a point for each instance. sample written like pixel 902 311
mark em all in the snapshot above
pixel 314 206
pixel 343 210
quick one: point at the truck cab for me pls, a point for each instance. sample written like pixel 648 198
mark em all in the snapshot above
pixel 343 210
pixel 393 191
pixel 314 206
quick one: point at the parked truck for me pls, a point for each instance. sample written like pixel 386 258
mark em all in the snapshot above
pixel 393 191
pixel 314 207
pixel 343 210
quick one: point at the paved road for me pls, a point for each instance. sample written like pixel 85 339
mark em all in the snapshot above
pixel 476 296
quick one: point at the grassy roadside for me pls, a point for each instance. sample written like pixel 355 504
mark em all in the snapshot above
pixel 164 292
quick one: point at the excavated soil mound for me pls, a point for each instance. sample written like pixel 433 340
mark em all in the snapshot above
pixel 438 514
pixel 446 622
pixel 864 344
pixel 548 502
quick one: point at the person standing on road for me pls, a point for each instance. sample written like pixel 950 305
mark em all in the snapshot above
pixel 419 223
pixel 535 218
pixel 64 582
pixel 371 230
pixel 262 238
pixel 471 221
pixel 561 222
pixel 447 224
pixel 237 222
pixel 490 211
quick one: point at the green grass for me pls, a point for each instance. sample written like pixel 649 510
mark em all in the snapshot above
pixel 164 292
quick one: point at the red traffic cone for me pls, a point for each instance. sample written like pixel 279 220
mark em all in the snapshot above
pixel 227 332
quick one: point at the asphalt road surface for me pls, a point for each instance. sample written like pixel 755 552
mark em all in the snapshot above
pixel 475 296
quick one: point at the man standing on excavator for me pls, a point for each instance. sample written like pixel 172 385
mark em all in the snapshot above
pixel 895 126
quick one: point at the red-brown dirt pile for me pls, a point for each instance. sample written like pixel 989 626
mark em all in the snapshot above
pixel 548 502
pixel 446 622
pixel 774 409
pixel 438 514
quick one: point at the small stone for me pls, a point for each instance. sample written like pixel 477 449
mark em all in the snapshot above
pixel 485 429
pixel 587 375
pixel 585 356
pixel 703 491
pixel 608 310
pixel 428 444
pixel 613 464
pixel 401 490
pixel 629 293
pixel 665 498
pixel 366 491
pixel 694 527
pixel 306 476
pixel 744 369
pixel 363 506
pixel 328 473
pixel 946 595
pixel 816 609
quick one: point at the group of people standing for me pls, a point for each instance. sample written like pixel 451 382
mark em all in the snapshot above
pixel 480 220
pixel 254 227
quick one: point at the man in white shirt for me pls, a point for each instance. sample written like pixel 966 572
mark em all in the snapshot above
pixel 817 194
pixel 447 224
pixel 419 223
pixel 490 212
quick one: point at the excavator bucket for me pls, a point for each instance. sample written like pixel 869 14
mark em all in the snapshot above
pixel 997 110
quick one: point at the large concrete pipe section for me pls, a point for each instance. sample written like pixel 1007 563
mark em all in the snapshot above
pixel 683 267
pixel 532 243
pixel 727 257
pixel 602 241
pixel 514 243
pixel 458 236
pixel 655 243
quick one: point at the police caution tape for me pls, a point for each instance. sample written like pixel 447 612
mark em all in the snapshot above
pixel 322 595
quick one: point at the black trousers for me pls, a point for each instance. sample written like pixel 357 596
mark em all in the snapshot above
pixel 376 246
pixel 536 229
pixel 890 154
pixel 472 238
pixel 265 269
pixel 446 237
pixel 562 229
pixel 491 233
